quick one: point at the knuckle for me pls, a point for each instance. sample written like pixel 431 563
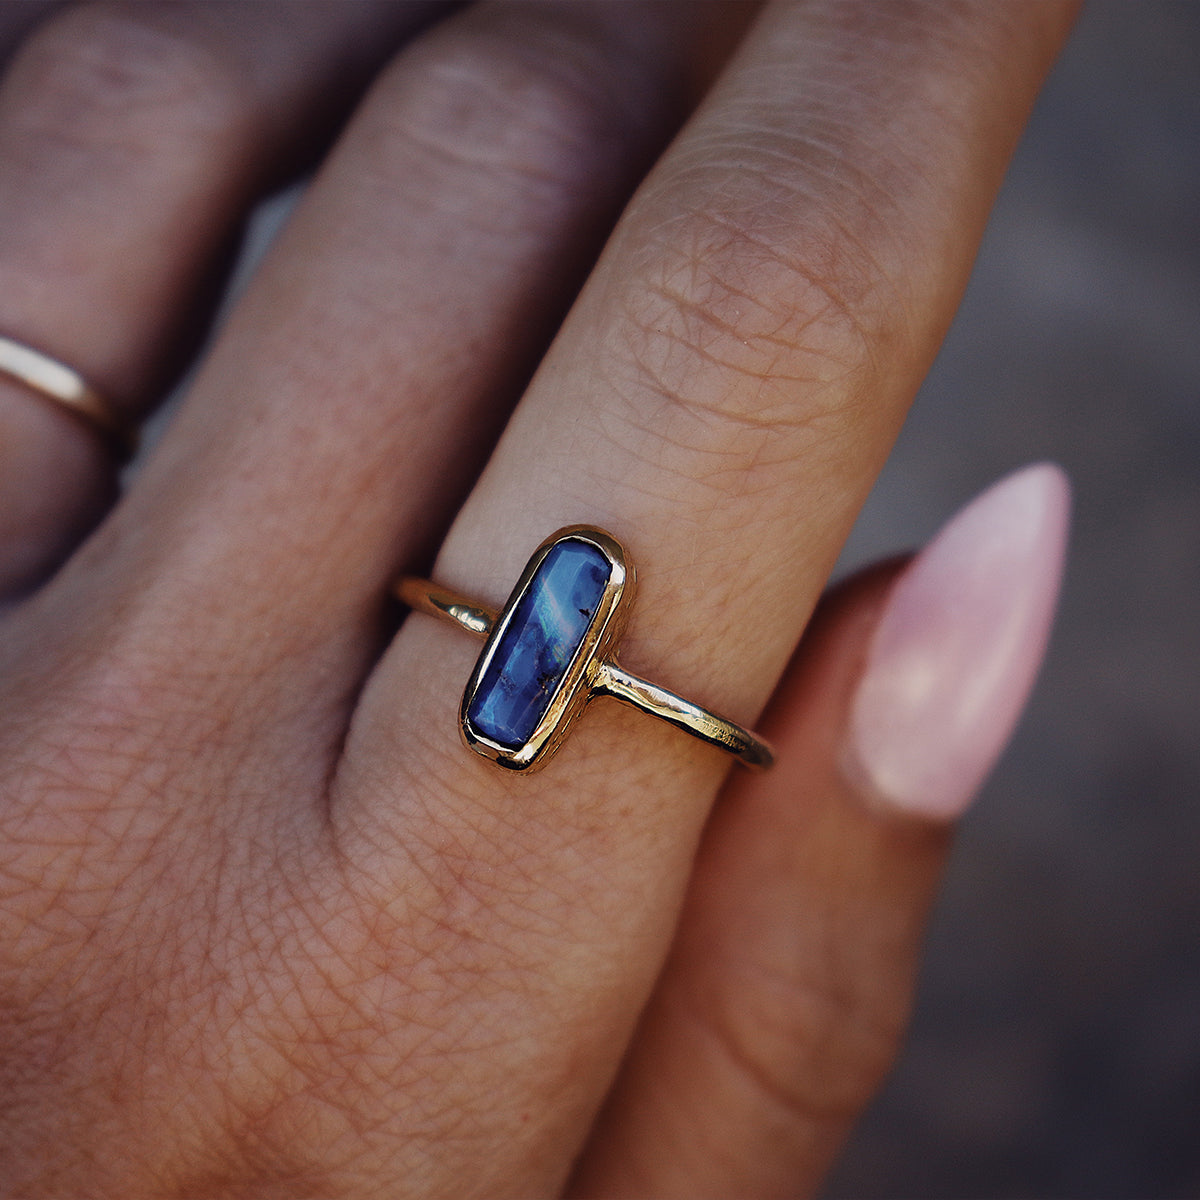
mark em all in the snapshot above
pixel 749 321
pixel 486 101
pixel 118 79
pixel 816 1051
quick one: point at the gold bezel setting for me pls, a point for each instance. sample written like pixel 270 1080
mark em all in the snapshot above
pixel 592 671
pixel 574 688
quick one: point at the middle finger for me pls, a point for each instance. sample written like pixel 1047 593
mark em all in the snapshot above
pixel 133 140
pixel 361 378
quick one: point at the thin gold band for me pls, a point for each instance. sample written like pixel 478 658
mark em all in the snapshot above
pixel 56 381
pixel 609 678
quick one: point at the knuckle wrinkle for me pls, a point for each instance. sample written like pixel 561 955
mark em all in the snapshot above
pixel 488 102
pixel 123 80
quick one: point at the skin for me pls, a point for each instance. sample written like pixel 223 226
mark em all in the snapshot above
pixel 266 928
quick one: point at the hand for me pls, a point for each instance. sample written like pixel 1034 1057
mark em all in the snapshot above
pixel 266 927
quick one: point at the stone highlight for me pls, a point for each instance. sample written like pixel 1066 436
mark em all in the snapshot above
pixel 536 647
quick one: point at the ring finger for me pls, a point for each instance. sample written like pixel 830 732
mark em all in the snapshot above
pixel 133 137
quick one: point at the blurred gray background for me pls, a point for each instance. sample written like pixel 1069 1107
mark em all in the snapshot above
pixel 1056 1049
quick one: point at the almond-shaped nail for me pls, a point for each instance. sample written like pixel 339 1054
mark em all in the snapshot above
pixel 957 648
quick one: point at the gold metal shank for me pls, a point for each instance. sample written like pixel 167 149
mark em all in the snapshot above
pixel 422 596
pixel 593 670
pixel 613 680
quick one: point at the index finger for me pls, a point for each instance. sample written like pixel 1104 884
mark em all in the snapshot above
pixel 721 399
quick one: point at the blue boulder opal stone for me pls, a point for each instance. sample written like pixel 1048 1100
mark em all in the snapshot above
pixel 538 643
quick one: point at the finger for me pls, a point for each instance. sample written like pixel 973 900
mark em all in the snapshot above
pixel 720 398
pixel 787 990
pixel 350 396
pixel 809 901
pixel 189 667
pixel 133 138
pixel 16 20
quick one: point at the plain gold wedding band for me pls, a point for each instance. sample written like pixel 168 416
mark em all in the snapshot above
pixel 56 381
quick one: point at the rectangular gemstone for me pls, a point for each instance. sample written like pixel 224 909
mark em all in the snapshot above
pixel 537 645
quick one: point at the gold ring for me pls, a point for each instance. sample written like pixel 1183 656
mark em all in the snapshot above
pixel 551 649
pixel 56 381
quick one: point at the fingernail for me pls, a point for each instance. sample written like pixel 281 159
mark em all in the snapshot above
pixel 957 647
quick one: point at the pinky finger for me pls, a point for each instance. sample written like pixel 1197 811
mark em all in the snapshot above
pixel 783 1002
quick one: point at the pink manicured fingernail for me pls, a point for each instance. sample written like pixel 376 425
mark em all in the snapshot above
pixel 957 647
